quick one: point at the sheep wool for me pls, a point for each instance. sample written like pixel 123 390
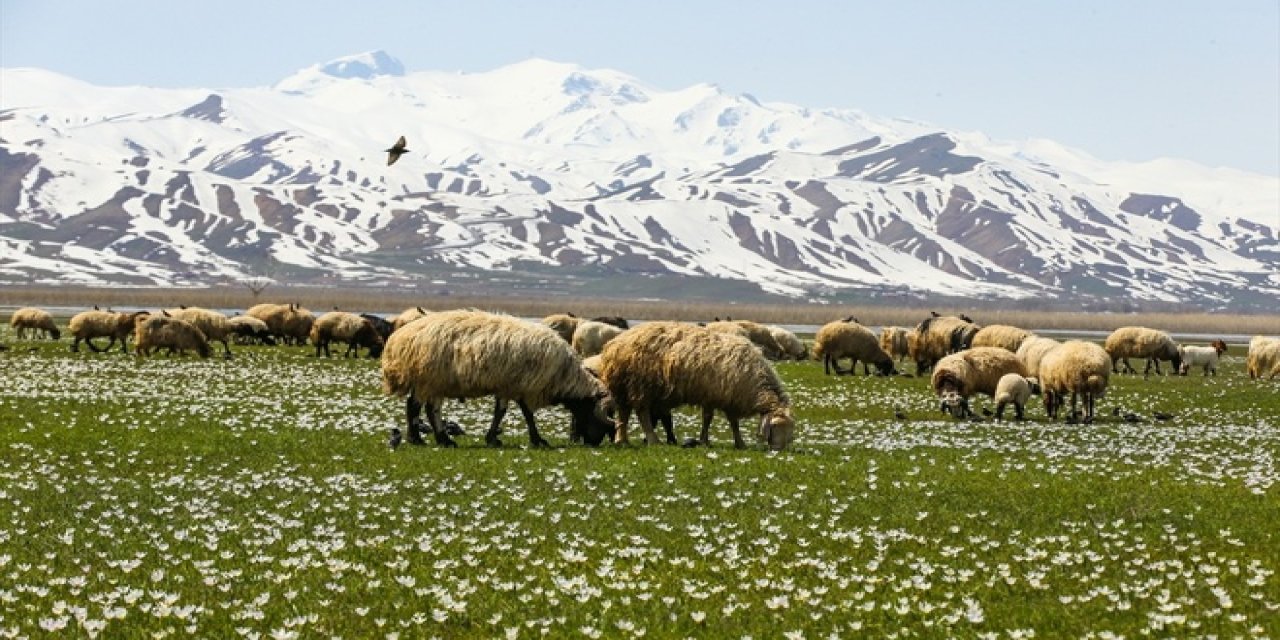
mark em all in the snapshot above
pixel 563 323
pixel 1081 369
pixel 1016 390
pixel 288 322
pixel 1263 358
pixel 1141 342
pixel 407 316
pixel 341 326
pixel 791 345
pixel 166 332
pixel 215 326
pixel 1001 335
pixel 1032 351
pixel 87 325
pixel 38 321
pixel 591 336
pixel 840 339
pixel 893 340
pixel 978 370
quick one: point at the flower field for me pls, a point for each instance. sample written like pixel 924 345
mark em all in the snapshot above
pixel 257 497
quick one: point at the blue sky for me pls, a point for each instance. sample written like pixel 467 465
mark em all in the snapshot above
pixel 1126 80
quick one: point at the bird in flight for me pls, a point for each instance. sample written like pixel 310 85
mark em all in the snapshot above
pixel 398 149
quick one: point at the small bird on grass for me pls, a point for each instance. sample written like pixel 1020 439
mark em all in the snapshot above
pixel 900 414
pixel 1131 417
pixel 395 438
pixel 690 442
pixel 1161 415
pixel 398 149
pixel 986 412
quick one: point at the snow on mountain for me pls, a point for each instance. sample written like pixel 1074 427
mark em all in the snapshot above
pixel 549 168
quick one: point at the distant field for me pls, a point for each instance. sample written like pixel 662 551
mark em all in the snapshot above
pixel 256 497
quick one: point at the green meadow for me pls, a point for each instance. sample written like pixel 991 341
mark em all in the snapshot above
pixel 257 497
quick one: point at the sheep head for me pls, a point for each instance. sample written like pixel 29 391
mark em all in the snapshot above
pixel 955 404
pixel 777 428
pixel 589 418
pixel 1219 346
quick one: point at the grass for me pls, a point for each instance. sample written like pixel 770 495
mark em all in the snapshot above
pixel 256 497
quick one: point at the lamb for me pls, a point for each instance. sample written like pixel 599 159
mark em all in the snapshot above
pixel 467 354
pixel 935 338
pixel 659 366
pixel 563 323
pixel 839 339
pixel 169 332
pixel 591 336
pixel 1016 390
pixel 115 325
pixel 248 330
pixel 792 347
pixel 1263 358
pixel 1079 368
pixel 288 322
pixel 39 321
pixel 977 370
pixel 1032 350
pixel 341 326
pixel 1001 335
pixel 1141 342
pixel 893 340
pixel 1206 357
pixel 214 325
pixel 757 333
pixel 407 316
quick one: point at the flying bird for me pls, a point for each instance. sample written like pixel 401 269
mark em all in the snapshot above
pixel 395 438
pixel 398 149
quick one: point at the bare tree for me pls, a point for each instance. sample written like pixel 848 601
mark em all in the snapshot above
pixel 258 281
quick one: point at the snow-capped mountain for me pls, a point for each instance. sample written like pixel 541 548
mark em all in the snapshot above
pixel 548 168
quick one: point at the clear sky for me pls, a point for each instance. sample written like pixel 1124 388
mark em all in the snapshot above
pixel 1120 79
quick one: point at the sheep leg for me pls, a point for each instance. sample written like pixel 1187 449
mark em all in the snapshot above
pixel 620 432
pixel 495 427
pixel 412 409
pixel 535 439
pixel 707 415
pixel 226 349
pixel 646 422
pixel 1017 412
pixel 437 430
pixel 93 347
pixel 737 434
pixel 1088 407
pixel 664 417
pixel 1000 410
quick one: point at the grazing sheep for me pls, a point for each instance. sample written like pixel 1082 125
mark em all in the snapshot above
pixel 341 326
pixel 617 321
pixel 250 330
pixel 1079 368
pixel 1206 357
pixel 1032 350
pixel 1016 390
pixel 115 325
pixel 1141 342
pixel 791 345
pixel 661 416
pixel 467 354
pixel 935 338
pixel 977 370
pixel 563 323
pixel 380 324
pixel 893 340
pixel 174 334
pixel 215 326
pixel 407 316
pixel 39 321
pixel 1001 335
pixel 1263 358
pixel 659 366
pixel 839 339
pixel 290 323
pixel 591 336
pixel 758 334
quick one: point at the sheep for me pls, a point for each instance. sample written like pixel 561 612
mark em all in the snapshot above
pixel 659 366
pixel 591 336
pixel 248 330
pixel 1141 342
pixel 214 325
pixel 1206 357
pixel 617 321
pixel 467 354
pixel 1263 358
pixel 664 417
pixel 563 323
pixel 341 326
pixel 936 337
pixel 1032 350
pixel 960 375
pixel 39 321
pixel 169 332
pixel 792 347
pixel 839 339
pixel 407 316
pixel 1016 390
pixel 115 325
pixel 288 322
pixel 1000 335
pixel 1079 368
pixel 893 340
pixel 758 334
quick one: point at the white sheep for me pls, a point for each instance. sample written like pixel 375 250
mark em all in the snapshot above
pixel 38 321
pixel 1263 358
pixel 163 331
pixel 659 366
pixel 115 325
pixel 1001 335
pixel 791 345
pixel 1141 342
pixel 591 336
pixel 840 339
pixel 342 326
pixel 1206 357
pixel 563 323
pixel 977 370
pixel 248 330
pixel 215 325
pixel 467 354
pixel 1032 350
pixel 1016 390
pixel 1081 369
pixel 894 341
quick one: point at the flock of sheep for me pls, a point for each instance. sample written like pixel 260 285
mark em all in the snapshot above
pixel 602 370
